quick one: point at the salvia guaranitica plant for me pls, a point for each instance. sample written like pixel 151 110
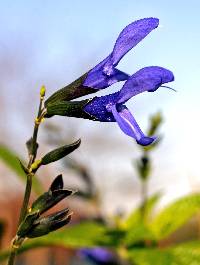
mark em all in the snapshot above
pixel 109 108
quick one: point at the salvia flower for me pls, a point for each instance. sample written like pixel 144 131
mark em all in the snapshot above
pixel 105 73
pixel 111 108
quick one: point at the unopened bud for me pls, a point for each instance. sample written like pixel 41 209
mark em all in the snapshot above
pixel 42 91
pixel 36 165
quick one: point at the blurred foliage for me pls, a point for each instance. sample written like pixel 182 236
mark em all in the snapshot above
pixel 136 238
pixel 188 253
pixel 175 215
pixel 12 161
pixel 136 216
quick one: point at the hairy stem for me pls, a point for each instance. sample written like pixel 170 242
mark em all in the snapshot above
pixel 27 193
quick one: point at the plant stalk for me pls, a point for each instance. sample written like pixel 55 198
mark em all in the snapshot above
pixel 27 193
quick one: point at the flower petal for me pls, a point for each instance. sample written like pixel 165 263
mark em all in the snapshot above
pixel 130 36
pixel 129 126
pixel 100 107
pixel 97 79
pixel 146 79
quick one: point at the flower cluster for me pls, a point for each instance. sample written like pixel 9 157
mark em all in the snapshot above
pixel 111 108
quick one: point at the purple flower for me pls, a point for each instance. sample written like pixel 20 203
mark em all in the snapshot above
pixel 105 74
pixel 98 255
pixel 111 108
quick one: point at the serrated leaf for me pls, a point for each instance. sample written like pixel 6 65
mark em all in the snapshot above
pixel 175 215
pixel 11 159
pixel 69 109
pixel 60 152
pixel 71 91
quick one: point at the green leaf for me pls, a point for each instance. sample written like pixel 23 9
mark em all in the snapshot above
pixel 187 253
pixel 136 225
pixel 86 234
pixel 136 217
pixel 184 254
pixel 139 235
pixel 60 152
pixel 175 215
pixel 151 257
pixel 11 160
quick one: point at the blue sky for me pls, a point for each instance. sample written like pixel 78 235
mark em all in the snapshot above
pixel 55 42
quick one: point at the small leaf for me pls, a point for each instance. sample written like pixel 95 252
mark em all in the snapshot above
pixel 69 109
pixel 25 169
pixel 10 159
pixel 60 152
pixel 155 122
pixel 57 184
pixel 72 91
pixel 50 198
pixel 29 146
pixel 144 167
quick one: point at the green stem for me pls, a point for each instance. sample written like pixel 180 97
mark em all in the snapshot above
pixel 33 154
pixel 144 197
pixel 12 257
pixel 26 198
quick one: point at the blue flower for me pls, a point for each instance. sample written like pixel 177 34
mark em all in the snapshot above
pixel 111 108
pixel 98 255
pixel 105 74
